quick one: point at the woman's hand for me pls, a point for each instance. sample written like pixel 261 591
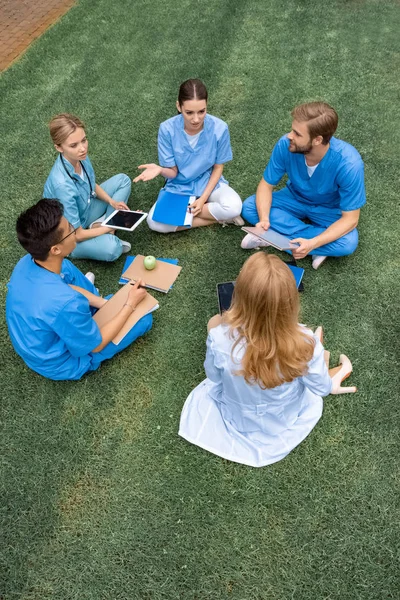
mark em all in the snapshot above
pixel 197 206
pixel 136 293
pixel 118 205
pixel 106 228
pixel 150 172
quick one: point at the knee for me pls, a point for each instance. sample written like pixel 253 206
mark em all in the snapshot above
pixel 349 242
pixel 126 181
pixel 143 326
pixel 156 226
pixel 233 207
pixel 147 322
pixel 249 210
pixel 112 249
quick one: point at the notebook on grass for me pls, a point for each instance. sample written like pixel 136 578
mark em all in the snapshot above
pixel 160 278
pixel 172 209
pixel 129 260
pixel 274 239
pixel 114 305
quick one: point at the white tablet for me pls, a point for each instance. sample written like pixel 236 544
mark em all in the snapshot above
pixel 124 219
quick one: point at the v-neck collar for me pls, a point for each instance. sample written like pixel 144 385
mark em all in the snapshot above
pixel 317 173
pixel 184 135
pixel 71 171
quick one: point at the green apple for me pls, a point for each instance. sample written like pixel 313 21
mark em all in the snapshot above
pixel 149 262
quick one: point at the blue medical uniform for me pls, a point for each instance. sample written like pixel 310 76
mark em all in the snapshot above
pixel 336 185
pixel 194 164
pixel 81 207
pixel 51 325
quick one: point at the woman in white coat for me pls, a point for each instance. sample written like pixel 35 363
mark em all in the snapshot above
pixel 266 374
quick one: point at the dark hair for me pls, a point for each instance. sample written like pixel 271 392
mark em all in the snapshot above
pixel 321 119
pixel 38 227
pixel 192 89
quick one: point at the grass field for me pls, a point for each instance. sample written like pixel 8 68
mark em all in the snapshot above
pixel 100 499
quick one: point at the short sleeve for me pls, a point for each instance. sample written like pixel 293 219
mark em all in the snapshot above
pixel 276 167
pixel 72 275
pixel 317 379
pixel 76 327
pixel 69 198
pixel 166 156
pixel 224 150
pixel 351 187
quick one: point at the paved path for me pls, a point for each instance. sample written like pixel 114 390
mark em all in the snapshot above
pixel 22 21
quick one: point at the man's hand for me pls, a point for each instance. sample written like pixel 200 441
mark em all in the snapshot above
pixel 264 224
pixel 118 205
pixel 150 172
pixel 306 246
pixel 136 293
pixel 197 206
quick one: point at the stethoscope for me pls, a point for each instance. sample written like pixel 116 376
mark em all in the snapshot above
pixel 92 192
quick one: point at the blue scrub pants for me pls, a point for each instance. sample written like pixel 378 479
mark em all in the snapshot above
pixel 287 216
pixel 141 328
pixel 105 247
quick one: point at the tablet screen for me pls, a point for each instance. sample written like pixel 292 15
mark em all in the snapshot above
pixel 225 293
pixel 125 219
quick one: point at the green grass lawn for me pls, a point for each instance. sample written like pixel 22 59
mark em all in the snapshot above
pixel 100 499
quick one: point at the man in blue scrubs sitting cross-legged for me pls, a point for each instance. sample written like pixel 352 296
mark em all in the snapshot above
pixel 50 303
pixel 320 206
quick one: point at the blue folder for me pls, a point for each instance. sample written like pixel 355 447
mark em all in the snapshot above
pixel 129 260
pixel 298 273
pixel 171 208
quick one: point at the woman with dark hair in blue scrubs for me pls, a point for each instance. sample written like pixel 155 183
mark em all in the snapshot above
pixel 193 147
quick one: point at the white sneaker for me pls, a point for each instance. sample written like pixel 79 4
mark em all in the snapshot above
pixel 99 220
pixel 125 246
pixel 317 261
pixel 251 241
pixel 236 221
pixel 89 275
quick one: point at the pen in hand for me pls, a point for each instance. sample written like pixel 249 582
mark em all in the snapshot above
pixel 140 287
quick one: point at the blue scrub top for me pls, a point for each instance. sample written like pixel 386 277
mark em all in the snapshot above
pixel 337 182
pixel 50 324
pixel 194 164
pixel 75 193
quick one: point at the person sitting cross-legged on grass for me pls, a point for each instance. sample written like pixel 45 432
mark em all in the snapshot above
pixel 86 203
pixel 325 188
pixel 50 303
pixel 266 374
pixel 192 150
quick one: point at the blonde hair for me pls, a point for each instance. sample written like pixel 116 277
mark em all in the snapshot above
pixel 264 318
pixel 321 119
pixel 61 126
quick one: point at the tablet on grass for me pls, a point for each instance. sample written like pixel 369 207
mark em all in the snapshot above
pixel 124 219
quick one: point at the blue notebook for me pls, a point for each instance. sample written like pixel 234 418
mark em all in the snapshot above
pixel 172 209
pixel 129 260
pixel 298 273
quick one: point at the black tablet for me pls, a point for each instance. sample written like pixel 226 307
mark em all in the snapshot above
pixel 225 293
pixel 124 219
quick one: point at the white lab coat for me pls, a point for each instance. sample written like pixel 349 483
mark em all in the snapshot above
pixel 243 422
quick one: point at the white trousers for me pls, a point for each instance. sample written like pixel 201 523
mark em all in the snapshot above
pixel 224 204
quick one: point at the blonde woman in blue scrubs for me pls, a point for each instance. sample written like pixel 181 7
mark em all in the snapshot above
pixel 192 150
pixel 86 203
